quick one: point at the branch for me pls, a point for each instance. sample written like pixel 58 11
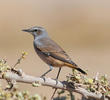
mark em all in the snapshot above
pixel 69 86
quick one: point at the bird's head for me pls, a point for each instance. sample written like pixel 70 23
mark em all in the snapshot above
pixel 36 31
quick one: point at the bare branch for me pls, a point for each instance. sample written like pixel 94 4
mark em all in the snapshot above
pixel 69 86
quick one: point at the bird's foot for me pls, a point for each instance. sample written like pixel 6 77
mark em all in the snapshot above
pixel 56 81
pixel 43 77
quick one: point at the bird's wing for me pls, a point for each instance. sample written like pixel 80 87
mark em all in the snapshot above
pixel 50 48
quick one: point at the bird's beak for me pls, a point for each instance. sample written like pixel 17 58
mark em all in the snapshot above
pixel 27 30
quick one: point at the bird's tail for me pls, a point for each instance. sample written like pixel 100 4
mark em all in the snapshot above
pixel 73 65
pixel 82 71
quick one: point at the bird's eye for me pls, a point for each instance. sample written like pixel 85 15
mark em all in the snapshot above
pixel 35 30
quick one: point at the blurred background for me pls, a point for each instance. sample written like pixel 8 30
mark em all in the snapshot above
pixel 81 27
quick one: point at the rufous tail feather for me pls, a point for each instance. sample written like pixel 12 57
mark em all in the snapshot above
pixel 76 67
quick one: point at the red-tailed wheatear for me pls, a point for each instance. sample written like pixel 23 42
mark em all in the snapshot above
pixel 49 51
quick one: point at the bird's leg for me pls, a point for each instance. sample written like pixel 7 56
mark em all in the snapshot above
pixel 56 82
pixel 51 68
pixel 58 73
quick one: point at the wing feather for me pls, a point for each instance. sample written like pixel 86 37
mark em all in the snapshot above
pixel 50 48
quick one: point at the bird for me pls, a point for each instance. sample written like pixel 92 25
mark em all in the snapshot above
pixel 50 52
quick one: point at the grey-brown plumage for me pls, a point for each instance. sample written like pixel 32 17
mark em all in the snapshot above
pixel 49 51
